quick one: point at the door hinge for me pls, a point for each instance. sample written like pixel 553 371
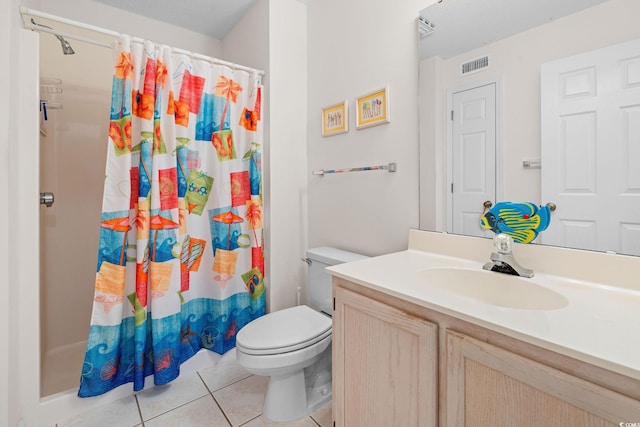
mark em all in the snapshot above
pixel 334 304
pixel 451 115
pixel 452 188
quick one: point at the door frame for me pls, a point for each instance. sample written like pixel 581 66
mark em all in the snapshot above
pixel 497 80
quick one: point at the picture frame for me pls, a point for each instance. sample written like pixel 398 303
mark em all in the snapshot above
pixel 335 119
pixel 373 108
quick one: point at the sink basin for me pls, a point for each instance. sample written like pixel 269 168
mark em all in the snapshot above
pixel 493 288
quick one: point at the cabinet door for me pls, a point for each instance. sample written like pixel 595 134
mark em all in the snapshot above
pixel 384 365
pixel 489 386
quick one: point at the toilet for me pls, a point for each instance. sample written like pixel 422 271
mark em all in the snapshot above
pixel 293 346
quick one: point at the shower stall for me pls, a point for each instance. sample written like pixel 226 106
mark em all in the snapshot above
pixel 61 149
pixel 75 98
pixel 75 93
pixel 75 102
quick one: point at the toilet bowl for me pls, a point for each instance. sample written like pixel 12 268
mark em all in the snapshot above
pixel 293 346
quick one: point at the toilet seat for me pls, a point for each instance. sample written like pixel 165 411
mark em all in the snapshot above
pixel 284 331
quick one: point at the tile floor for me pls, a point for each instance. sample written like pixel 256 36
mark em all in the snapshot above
pixel 223 396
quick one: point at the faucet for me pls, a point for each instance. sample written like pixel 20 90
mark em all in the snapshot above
pixel 503 261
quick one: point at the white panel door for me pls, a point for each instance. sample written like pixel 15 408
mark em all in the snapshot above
pixel 473 157
pixel 591 149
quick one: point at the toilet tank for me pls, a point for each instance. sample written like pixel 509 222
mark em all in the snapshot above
pixel 320 296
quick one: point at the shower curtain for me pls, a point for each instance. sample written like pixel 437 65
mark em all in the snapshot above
pixel 180 260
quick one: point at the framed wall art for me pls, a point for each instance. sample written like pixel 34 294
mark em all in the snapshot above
pixel 335 119
pixel 373 108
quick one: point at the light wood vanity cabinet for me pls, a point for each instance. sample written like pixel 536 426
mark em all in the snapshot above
pixel 489 386
pixel 399 364
pixel 384 365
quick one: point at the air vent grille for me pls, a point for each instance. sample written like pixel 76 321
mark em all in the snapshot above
pixel 474 65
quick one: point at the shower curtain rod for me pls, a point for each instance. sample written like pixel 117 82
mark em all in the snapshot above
pixel 27 12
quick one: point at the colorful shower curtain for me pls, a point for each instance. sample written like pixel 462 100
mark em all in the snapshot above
pixel 180 262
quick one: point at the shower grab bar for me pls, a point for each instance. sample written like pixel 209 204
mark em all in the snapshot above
pixel 391 167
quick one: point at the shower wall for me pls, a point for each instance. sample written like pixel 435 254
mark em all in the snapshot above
pixel 72 161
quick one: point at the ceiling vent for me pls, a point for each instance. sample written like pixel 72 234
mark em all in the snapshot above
pixel 425 28
pixel 474 65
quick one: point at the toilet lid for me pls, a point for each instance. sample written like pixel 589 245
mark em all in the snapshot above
pixel 284 330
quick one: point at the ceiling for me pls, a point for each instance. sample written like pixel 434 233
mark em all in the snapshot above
pixel 463 25
pixel 214 18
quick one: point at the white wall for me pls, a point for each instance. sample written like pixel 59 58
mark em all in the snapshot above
pixel 433 171
pixel 9 380
pixel 248 42
pixel 516 60
pixel 355 47
pixel 286 167
pixel 272 37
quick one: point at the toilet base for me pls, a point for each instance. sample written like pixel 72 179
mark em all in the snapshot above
pixel 318 397
pixel 299 381
pixel 284 401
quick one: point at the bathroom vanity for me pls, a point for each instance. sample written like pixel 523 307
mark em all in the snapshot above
pixel 423 338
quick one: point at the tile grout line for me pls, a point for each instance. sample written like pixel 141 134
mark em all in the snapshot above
pixel 248 421
pixel 139 410
pixel 179 406
pixel 224 386
pixel 214 398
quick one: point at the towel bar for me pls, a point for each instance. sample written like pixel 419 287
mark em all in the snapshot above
pixel 391 167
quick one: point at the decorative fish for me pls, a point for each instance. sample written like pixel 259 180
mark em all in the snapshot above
pixel 522 221
pixel 164 362
pixel 231 331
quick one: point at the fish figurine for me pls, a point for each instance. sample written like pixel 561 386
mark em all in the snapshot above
pixel 523 221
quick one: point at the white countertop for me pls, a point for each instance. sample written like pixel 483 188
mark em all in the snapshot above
pixel 598 324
